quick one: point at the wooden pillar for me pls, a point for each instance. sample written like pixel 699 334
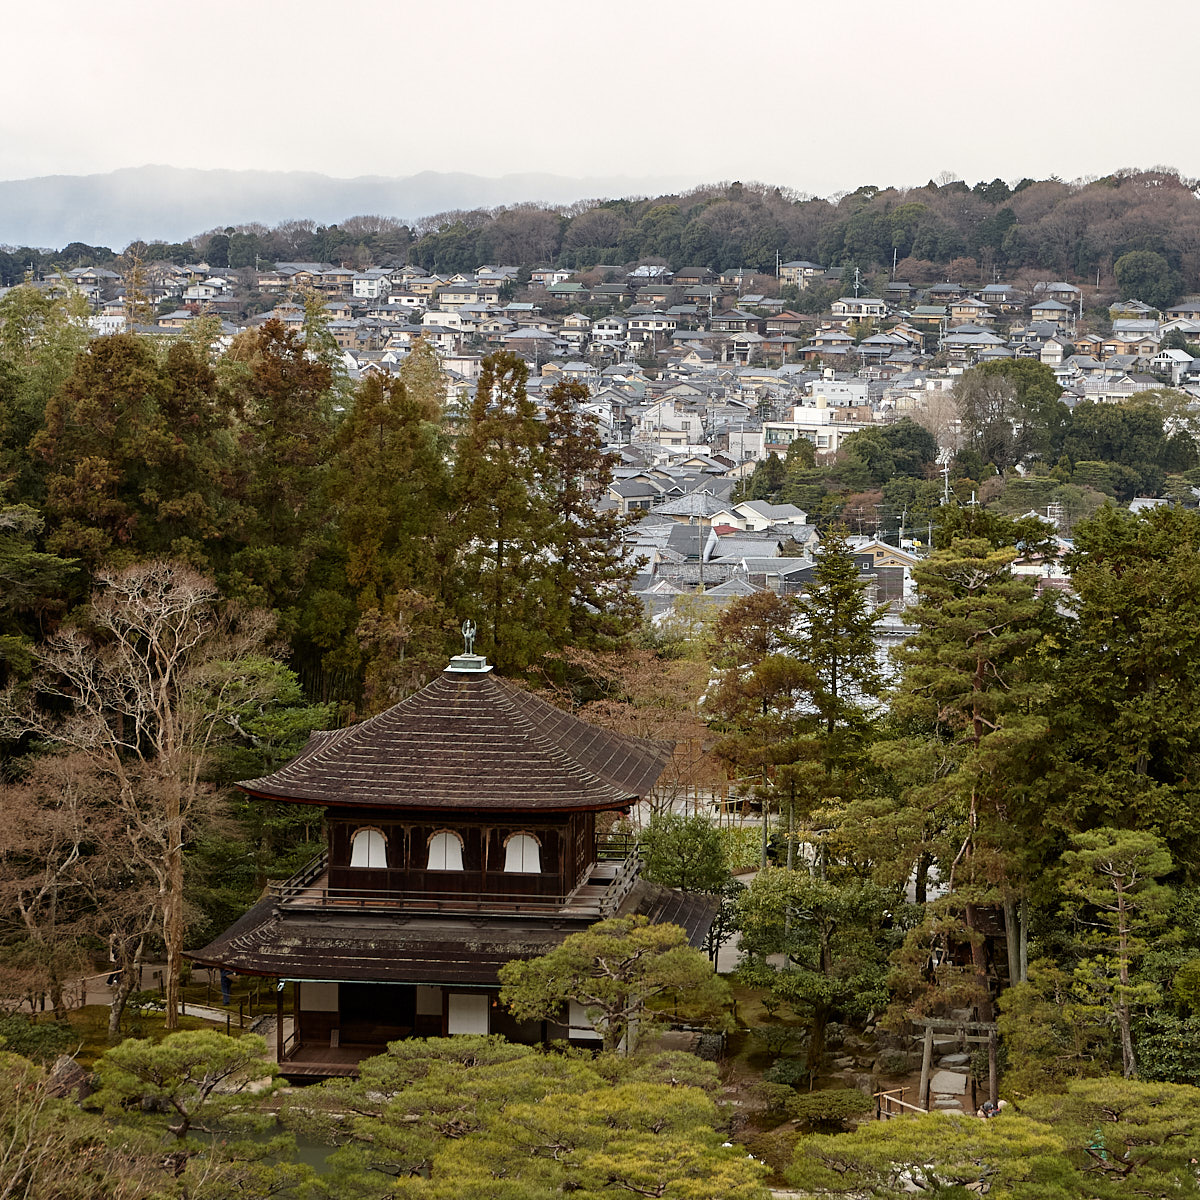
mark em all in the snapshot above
pixel 993 1079
pixel 926 1063
pixel 278 1024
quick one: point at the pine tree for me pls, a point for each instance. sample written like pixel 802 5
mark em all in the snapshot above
pixel 837 641
pixel 1127 713
pixel 974 678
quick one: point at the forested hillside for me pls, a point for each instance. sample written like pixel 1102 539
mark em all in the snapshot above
pixel 1053 227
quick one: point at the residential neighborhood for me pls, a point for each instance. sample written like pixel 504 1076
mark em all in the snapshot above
pixel 694 377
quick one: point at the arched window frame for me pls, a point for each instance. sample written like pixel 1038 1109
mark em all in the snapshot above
pixel 367 830
pixel 537 841
pixel 449 833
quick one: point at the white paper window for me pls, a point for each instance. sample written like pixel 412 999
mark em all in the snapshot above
pixel 445 852
pixel 318 997
pixel 467 1012
pixel 368 848
pixel 522 854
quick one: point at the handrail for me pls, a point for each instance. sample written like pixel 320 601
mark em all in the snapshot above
pixel 621 885
pixel 303 890
pixel 306 875
pixel 290 1044
pixel 395 897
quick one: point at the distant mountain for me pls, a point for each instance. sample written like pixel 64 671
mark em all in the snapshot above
pixel 172 203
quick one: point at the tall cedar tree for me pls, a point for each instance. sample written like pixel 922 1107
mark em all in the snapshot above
pixel 974 674
pixel 286 423
pixel 586 543
pixel 389 483
pixel 502 517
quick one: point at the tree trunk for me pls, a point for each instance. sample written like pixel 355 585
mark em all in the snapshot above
pixel 921 878
pixel 1128 1062
pixel 764 817
pixel 926 1067
pixel 57 997
pixel 1024 941
pixel 130 967
pixel 173 908
pixel 979 962
pixel 1012 940
pixel 816 1038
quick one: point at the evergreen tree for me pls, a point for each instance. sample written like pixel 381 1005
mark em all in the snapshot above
pixel 1127 713
pixel 837 642
pixel 41 335
pixel 752 704
pixel 34 586
pixel 593 577
pixel 287 559
pixel 974 676
pixel 139 456
pixel 767 479
pixel 389 484
pixel 1114 874
pixel 502 515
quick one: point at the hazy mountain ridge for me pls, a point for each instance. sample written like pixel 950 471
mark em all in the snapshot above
pixel 173 203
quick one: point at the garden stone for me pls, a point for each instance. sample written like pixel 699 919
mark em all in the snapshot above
pixel 950 1083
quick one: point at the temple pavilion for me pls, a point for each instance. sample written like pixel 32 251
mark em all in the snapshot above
pixel 462 833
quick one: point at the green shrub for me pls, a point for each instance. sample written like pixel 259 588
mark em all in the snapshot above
pixel 776 1097
pixel 792 1071
pixel 828 1110
pixel 742 848
pixel 41 1041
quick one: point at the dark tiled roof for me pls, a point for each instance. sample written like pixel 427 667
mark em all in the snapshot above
pixel 440 950
pixel 469 741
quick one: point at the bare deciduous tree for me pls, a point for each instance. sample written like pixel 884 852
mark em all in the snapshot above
pixel 68 872
pixel 140 692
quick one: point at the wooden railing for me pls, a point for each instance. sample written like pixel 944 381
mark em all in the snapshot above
pixel 620 887
pixel 302 879
pixel 310 886
pixel 892 1104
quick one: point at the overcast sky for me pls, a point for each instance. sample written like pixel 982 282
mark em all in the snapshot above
pixel 818 97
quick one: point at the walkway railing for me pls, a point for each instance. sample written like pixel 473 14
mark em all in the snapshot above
pixel 310 887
